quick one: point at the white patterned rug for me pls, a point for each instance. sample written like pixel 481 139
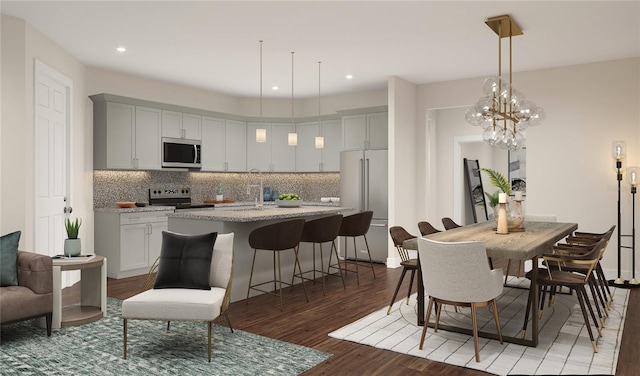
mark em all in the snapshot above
pixel 564 346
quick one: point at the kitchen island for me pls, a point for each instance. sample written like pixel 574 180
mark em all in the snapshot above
pixel 241 220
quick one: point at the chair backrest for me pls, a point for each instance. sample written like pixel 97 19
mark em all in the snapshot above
pixel 449 224
pixel 458 271
pixel 587 258
pixel 222 261
pixel 356 224
pixel 324 229
pixel 399 235
pixel 426 228
pixel 277 236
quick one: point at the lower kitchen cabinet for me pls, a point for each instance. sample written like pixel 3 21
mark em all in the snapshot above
pixel 131 242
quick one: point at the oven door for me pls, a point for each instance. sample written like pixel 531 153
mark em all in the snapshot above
pixel 177 152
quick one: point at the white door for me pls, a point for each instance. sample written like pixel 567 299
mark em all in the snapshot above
pixel 52 114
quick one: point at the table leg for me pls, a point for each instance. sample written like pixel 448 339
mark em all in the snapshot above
pixel 420 296
pixel 534 302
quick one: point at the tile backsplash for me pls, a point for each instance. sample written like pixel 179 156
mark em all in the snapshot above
pixel 110 186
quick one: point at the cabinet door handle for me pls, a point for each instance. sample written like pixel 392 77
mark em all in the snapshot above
pixel 149 229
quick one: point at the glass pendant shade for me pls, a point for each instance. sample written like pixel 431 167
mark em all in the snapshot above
pixel 619 150
pixel 632 176
pixel 319 142
pixel 293 139
pixel 261 135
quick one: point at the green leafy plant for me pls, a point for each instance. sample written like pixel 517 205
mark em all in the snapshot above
pixel 219 189
pixel 73 227
pixel 499 181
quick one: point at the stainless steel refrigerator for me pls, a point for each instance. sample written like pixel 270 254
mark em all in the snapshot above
pixel 363 186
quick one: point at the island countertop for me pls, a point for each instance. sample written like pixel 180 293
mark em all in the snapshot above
pixel 250 214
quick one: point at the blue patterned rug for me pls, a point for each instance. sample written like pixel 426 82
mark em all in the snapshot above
pixel 96 349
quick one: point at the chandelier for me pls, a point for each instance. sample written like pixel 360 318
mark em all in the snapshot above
pixel 503 112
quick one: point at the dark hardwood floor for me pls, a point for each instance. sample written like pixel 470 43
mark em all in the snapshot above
pixel 308 324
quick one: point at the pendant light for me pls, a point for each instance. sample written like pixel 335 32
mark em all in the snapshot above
pixel 293 136
pixel 320 138
pixel 261 133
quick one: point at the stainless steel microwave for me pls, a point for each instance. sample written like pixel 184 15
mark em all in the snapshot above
pixel 179 152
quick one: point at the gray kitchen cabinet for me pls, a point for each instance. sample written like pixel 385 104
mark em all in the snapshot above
pixel 327 159
pixel 181 125
pixel 365 131
pixel 212 148
pixel 147 139
pixel 274 155
pixel 131 242
pixel 235 145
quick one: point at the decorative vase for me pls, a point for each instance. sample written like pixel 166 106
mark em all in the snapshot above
pixel 502 218
pixel 514 214
pixel 72 247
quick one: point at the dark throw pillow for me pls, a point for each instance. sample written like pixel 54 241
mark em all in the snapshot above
pixel 9 259
pixel 185 261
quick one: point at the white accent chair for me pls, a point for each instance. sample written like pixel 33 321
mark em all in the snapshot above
pixel 174 304
pixel 457 273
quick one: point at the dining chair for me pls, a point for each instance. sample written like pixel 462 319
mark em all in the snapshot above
pixel 276 237
pixel 399 235
pixel 449 224
pixel 426 228
pixel 185 303
pixel 557 276
pixel 458 273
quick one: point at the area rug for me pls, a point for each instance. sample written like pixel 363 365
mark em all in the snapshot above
pixel 96 349
pixel 564 345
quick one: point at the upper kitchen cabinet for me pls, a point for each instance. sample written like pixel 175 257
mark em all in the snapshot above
pixel 223 145
pixel 125 136
pixel 365 131
pixel 274 155
pixel 327 159
pixel 181 125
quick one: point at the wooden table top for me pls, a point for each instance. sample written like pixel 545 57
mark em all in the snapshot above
pixel 536 239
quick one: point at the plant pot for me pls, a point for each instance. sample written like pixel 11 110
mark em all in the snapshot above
pixel 218 197
pixel 72 247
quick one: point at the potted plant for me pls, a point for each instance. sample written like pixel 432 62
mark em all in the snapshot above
pixel 219 192
pixel 72 243
pixel 499 181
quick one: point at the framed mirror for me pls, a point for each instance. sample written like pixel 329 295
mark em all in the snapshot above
pixel 475 190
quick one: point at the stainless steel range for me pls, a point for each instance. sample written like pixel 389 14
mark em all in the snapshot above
pixel 178 197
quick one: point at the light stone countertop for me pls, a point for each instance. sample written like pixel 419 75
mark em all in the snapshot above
pixel 151 208
pixel 250 214
pixel 135 209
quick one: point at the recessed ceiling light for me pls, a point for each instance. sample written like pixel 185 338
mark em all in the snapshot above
pixel 121 49
pixel 349 76
pixel 275 88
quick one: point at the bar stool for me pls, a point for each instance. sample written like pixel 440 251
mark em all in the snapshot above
pixel 353 226
pixel 276 237
pixel 318 231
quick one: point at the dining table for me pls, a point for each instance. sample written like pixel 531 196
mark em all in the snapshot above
pixel 527 243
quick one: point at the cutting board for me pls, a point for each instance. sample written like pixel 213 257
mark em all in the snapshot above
pixel 225 201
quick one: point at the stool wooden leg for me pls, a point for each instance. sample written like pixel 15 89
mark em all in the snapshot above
pixel 321 267
pixel 355 254
pixel 250 277
pixel 333 250
pixel 369 252
pixel 297 262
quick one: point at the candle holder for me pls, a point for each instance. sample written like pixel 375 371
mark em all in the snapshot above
pixel 503 223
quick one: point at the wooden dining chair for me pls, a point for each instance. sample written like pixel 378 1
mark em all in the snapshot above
pixel 426 228
pixel 449 224
pixel 399 235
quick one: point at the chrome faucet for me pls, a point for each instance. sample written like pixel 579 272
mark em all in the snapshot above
pixel 260 198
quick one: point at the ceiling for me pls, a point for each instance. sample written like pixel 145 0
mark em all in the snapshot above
pixel 214 45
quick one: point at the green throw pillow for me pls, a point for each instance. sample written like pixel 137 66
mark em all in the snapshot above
pixel 185 261
pixel 8 259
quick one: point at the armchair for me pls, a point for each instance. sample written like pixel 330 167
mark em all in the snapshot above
pixel 33 296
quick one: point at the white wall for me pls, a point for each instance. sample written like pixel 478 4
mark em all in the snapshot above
pixel 570 172
pixel 21 45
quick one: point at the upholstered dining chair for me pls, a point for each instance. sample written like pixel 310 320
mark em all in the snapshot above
pixel 458 273
pixel 556 276
pixel 190 302
pixel 399 235
pixel 449 224
pixel 426 228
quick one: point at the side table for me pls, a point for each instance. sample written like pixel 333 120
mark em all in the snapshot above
pixel 93 294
